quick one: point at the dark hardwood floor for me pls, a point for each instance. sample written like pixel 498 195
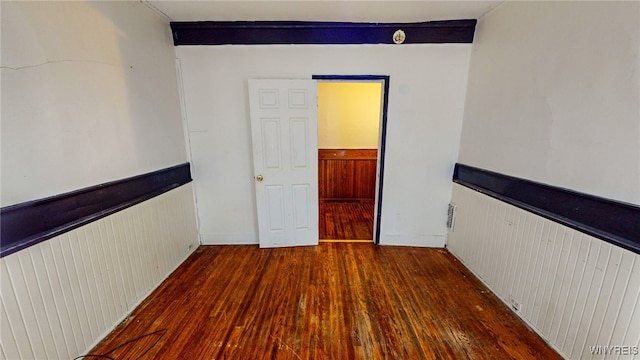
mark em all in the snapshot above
pixel 332 301
pixel 342 220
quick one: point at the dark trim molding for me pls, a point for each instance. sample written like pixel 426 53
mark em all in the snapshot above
pixel 29 223
pixel 383 132
pixel 348 154
pixel 612 221
pixel 312 32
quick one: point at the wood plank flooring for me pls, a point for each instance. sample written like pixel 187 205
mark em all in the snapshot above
pixel 346 220
pixel 332 301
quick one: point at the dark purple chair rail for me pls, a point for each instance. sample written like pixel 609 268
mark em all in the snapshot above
pixel 26 224
pixel 612 221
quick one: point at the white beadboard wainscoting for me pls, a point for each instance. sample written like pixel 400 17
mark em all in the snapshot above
pixel 574 290
pixel 62 296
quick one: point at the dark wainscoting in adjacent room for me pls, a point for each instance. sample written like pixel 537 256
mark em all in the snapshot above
pixel 347 174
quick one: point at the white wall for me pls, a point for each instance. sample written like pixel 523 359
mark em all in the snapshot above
pixel 426 100
pixel 59 298
pixel 554 96
pixel 89 95
pixel 574 290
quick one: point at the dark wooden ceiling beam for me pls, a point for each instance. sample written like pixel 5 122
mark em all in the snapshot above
pixel 325 33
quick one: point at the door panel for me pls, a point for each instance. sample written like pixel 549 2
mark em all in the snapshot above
pixel 275 208
pixel 299 143
pixel 301 206
pixel 271 143
pixel 284 128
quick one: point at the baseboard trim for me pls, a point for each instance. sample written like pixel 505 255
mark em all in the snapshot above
pixel 229 239
pixel 432 241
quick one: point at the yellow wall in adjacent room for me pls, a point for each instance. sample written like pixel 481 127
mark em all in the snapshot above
pixel 348 115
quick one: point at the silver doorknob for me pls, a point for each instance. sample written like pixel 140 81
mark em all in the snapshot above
pixel 259 178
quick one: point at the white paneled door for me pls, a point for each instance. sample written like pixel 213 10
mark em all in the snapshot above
pixel 284 129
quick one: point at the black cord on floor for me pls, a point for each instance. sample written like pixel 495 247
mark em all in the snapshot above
pixel 106 355
pixel 94 356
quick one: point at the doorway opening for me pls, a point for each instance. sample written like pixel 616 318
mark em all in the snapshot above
pixel 352 114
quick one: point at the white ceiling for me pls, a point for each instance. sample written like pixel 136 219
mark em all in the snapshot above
pixel 308 10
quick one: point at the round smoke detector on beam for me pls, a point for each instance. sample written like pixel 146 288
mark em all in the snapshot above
pixel 399 36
